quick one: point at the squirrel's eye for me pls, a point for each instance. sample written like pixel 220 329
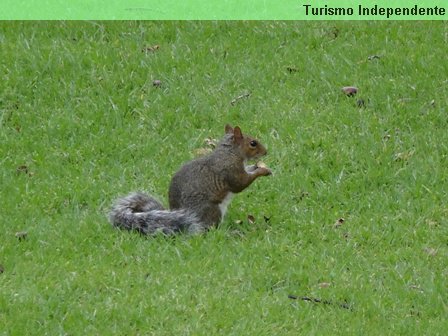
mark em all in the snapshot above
pixel 253 143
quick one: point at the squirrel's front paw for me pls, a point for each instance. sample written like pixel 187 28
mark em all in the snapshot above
pixel 264 171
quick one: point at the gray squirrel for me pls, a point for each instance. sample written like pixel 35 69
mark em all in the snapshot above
pixel 199 192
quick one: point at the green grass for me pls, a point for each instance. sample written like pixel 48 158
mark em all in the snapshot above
pixel 79 110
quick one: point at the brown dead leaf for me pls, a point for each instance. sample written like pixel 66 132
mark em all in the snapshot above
pixel 324 284
pixel 22 169
pixel 21 235
pixel 151 49
pixel 334 33
pixel 251 219
pixel 350 90
pixel 339 222
pixel 404 156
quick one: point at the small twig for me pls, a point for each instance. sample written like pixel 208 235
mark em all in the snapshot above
pixel 245 95
pixel 151 49
pixel 316 300
pixel 372 57
pixel 292 69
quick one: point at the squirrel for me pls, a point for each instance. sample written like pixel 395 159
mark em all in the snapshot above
pixel 199 192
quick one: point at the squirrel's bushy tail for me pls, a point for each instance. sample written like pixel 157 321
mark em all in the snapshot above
pixel 141 212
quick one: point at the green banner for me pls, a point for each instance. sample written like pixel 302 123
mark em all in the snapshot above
pixel 222 10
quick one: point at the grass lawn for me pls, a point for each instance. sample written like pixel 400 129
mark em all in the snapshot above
pixel 353 219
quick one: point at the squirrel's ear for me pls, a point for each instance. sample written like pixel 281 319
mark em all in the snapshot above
pixel 237 133
pixel 229 129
